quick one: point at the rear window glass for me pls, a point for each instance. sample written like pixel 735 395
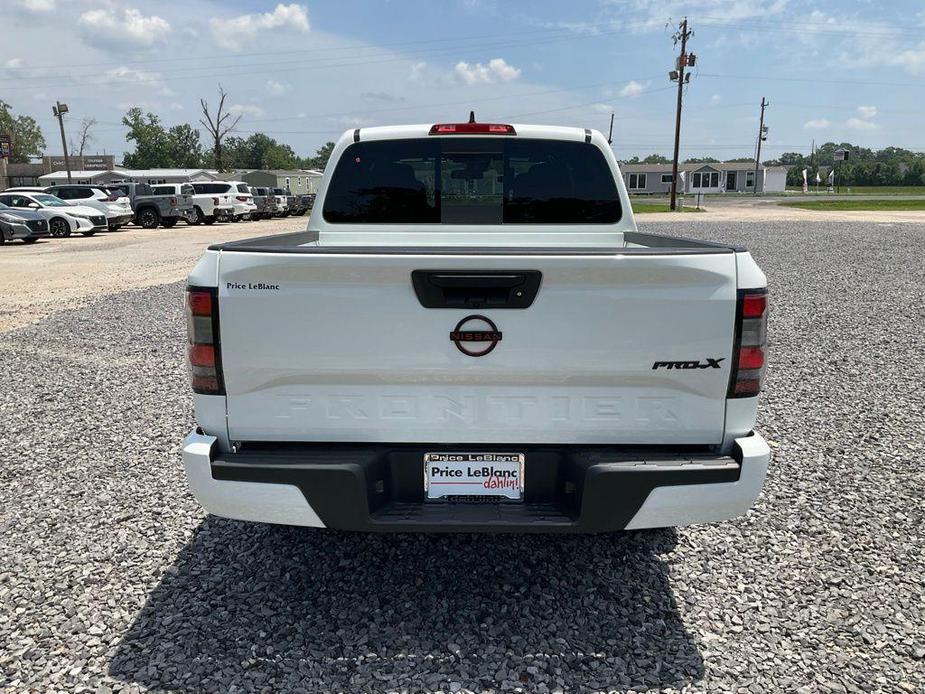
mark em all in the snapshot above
pixel 242 188
pixel 472 181
pixel 211 188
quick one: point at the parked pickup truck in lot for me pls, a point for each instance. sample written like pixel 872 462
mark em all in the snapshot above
pixel 472 335
pixel 151 210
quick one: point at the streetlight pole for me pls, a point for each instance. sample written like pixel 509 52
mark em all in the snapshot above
pixel 59 110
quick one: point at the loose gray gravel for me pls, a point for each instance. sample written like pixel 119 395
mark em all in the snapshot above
pixel 112 578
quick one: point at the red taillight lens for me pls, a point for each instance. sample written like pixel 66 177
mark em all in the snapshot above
pixel 472 128
pixel 214 201
pixel 754 305
pixel 242 198
pixel 201 355
pixel 204 350
pixel 199 303
pixel 750 356
pixel 173 202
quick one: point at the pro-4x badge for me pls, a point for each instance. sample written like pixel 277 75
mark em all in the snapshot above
pixel 709 364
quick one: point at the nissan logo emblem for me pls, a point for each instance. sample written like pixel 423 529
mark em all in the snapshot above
pixel 473 330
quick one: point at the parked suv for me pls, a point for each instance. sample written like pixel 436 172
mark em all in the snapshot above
pixel 213 202
pixel 260 202
pixel 117 208
pixel 282 201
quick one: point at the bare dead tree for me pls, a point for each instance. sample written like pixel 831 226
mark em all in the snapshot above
pixel 84 136
pixel 218 126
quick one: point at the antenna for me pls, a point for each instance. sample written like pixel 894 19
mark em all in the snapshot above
pixel 472 116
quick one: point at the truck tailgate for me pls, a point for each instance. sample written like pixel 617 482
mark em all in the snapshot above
pixel 338 347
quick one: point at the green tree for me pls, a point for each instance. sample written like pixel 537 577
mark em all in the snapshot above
pixel 656 159
pixel 320 160
pixel 25 133
pixel 704 160
pixel 183 147
pixel 152 142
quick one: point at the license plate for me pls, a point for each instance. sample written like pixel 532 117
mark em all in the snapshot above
pixel 474 475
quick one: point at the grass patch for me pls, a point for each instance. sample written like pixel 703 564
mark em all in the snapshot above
pixel 646 207
pixel 865 190
pixel 899 205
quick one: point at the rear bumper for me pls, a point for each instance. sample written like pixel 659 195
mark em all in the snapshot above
pixel 119 219
pixel 568 489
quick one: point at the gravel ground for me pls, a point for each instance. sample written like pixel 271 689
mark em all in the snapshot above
pixel 111 576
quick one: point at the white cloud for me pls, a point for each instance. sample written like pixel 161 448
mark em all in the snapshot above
pixel 127 74
pixel 497 70
pixel 633 89
pixel 651 14
pixel 858 124
pixel 37 5
pixel 248 110
pixel 125 27
pixel 602 108
pixel 867 112
pixel 818 123
pixel 277 88
pixel 715 99
pixel 13 63
pixel 235 32
pixel 417 71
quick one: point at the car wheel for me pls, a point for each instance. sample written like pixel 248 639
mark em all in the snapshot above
pixel 168 223
pixel 208 220
pixel 59 227
pixel 113 227
pixel 148 218
pixel 199 216
pixel 237 217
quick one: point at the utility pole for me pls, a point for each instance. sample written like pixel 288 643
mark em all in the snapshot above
pixel 762 136
pixel 682 35
pixel 610 134
pixel 59 110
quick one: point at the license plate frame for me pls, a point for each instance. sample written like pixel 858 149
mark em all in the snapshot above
pixel 476 479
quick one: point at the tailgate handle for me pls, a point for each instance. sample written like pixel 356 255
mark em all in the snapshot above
pixel 476 289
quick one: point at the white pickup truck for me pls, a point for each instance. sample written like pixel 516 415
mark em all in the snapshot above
pixel 471 335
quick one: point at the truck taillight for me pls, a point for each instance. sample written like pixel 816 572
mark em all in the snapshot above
pixel 173 202
pixel 751 344
pixel 242 198
pixel 204 349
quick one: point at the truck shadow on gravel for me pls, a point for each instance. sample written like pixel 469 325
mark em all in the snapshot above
pixel 255 606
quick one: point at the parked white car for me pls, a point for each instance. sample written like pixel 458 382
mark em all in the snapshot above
pixel 63 218
pixel 242 199
pixel 213 201
pixel 117 208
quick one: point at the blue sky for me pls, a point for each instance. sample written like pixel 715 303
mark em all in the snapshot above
pixel 305 71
